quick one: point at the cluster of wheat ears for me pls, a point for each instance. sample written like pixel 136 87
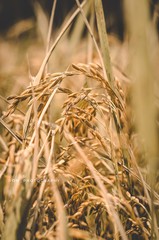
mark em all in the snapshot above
pixel 72 164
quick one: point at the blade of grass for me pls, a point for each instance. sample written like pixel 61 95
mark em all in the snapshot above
pixel 78 29
pixel 43 113
pixel 38 77
pixel 42 21
pixel 10 131
pixel 101 186
pixel 36 144
pixel 46 59
pixel 5 100
pixel 90 32
pixel 98 51
pixel 90 42
pixel 101 24
pixel 50 30
pixel 62 230
pixel 142 64
pixel 2 171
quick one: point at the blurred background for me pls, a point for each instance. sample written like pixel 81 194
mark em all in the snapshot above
pixel 23 35
pixel 13 11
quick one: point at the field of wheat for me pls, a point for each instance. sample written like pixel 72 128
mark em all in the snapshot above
pixel 79 127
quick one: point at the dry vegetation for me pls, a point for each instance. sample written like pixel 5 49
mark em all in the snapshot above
pixel 77 160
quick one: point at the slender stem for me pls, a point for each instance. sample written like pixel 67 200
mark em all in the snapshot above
pixel 50 30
